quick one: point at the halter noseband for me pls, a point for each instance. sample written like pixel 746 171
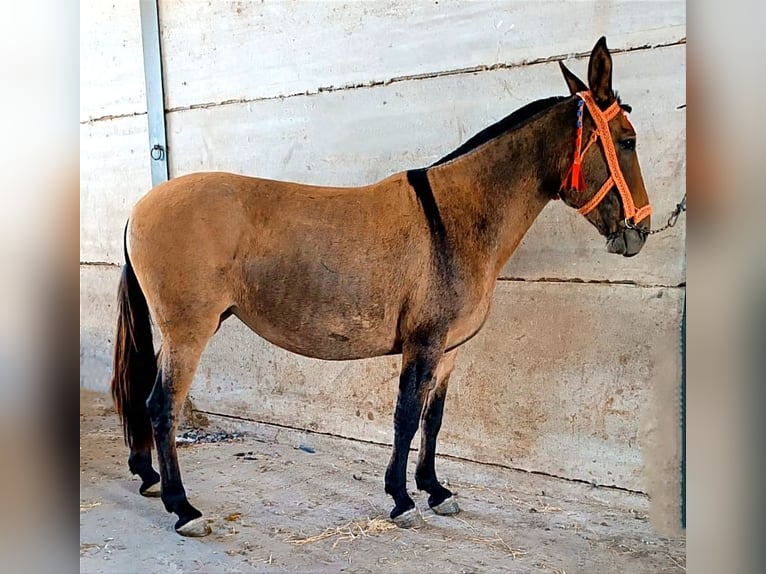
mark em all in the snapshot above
pixel 574 179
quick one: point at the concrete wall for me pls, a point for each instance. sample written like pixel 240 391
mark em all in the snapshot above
pixel 561 379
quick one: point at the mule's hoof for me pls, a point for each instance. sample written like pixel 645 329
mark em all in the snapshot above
pixel 409 519
pixel 195 527
pixel 448 507
pixel 152 491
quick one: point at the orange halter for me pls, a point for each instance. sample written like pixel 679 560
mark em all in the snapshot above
pixel 574 179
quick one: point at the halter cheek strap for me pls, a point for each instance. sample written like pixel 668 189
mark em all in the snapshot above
pixel 574 179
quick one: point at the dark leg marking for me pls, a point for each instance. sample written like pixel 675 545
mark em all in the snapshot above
pixel 405 426
pixel 140 459
pixel 140 463
pixel 417 373
pixel 161 411
pixel 425 474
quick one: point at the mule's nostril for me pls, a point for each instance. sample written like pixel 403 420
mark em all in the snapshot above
pixel 615 243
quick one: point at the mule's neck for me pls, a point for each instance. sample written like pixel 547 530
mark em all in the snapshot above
pixel 489 197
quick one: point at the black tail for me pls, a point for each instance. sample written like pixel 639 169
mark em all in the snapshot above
pixel 135 365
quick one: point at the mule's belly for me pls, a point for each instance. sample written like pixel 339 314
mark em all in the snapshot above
pixel 343 318
pixel 333 310
pixel 329 338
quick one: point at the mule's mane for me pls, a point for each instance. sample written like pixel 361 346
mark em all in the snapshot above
pixel 515 120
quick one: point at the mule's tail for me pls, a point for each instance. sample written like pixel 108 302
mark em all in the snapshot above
pixel 135 365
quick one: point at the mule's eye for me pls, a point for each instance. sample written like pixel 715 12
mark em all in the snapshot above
pixel 629 145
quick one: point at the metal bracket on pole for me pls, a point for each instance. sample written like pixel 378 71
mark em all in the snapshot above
pixel 155 95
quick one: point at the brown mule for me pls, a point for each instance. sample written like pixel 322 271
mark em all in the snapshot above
pixel 405 265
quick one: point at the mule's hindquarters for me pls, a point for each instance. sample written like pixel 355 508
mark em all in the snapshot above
pixel 182 241
pixel 134 374
pixel 177 263
pixel 148 390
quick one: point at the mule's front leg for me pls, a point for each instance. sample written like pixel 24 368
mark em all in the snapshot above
pixel 418 368
pixel 441 500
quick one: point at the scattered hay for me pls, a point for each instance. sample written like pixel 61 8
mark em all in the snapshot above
pixel 676 562
pixel 547 508
pixel 468 524
pixel 85 546
pixel 88 506
pixel 621 549
pixel 543 507
pixel 349 531
pixel 502 544
pixel 463 486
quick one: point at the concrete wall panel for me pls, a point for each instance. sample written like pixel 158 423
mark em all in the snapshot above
pixel 98 320
pixel 220 51
pixel 114 174
pixel 111 64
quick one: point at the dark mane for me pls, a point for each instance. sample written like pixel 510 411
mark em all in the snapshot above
pixel 516 119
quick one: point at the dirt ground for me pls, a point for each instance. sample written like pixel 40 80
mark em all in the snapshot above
pixel 280 500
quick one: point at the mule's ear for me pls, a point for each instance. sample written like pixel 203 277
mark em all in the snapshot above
pixel 600 73
pixel 575 84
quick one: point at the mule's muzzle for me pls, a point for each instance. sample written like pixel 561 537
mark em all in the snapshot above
pixel 626 242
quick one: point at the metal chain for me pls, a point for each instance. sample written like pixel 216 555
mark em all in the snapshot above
pixel 671 220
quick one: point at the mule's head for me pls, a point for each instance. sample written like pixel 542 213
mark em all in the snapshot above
pixel 604 180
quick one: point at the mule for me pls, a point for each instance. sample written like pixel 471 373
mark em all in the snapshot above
pixel 405 266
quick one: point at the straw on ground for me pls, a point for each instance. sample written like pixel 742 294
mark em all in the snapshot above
pixel 349 531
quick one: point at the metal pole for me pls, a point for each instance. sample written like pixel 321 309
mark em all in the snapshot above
pixel 155 96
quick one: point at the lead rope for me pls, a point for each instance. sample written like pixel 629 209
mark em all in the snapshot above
pixel 672 220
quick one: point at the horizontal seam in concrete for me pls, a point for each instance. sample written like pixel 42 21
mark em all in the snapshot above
pixel 575 280
pixel 608 282
pixel 450 456
pixel 423 76
pixel 111 117
pixel 394 80
pixel 99 264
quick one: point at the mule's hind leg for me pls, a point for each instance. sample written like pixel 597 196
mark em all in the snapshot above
pixel 140 459
pixel 140 463
pixel 418 368
pixel 178 364
pixel 441 500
